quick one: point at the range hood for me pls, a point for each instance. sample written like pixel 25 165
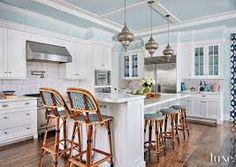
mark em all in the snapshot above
pixel 41 52
pixel 159 60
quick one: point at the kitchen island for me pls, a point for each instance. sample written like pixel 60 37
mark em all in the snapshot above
pixel 127 129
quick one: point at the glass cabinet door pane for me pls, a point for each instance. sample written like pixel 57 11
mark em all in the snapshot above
pixel 126 66
pixel 134 66
pixel 199 61
pixel 213 58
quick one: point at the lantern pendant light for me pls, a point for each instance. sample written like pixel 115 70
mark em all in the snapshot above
pixel 151 46
pixel 168 51
pixel 125 37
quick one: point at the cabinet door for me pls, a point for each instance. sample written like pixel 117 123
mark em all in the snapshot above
pixel 187 104
pixel 212 108
pixel 3 53
pixel 196 108
pixel 199 61
pixel 102 57
pixel 16 54
pixel 213 60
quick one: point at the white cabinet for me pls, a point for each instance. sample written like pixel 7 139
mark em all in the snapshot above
pixel 3 52
pixel 78 68
pixel 18 120
pixel 102 57
pixel 132 63
pixel 13 54
pixel 205 107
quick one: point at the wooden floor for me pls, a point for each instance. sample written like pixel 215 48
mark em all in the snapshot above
pixel 194 152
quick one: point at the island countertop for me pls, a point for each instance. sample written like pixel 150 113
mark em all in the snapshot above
pixel 117 97
pixel 165 98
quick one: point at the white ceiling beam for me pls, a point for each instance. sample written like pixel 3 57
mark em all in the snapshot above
pixel 130 7
pixel 81 13
pixel 190 23
pixel 158 7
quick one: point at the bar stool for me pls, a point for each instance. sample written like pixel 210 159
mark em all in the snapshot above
pixel 171 115
pixel 183 119
pixel 85 111
pixel 156 120
pixel 53 102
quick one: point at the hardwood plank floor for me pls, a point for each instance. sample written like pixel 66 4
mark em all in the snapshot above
pixel 194 152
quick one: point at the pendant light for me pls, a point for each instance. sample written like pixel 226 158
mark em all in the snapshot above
pixel 151 46
pixel 125 37
pixel 168 51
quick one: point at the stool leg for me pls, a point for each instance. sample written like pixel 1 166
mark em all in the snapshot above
pixel 72 142
pixel 176 116
pixel 186 122
pixel 44 142
pixel 182 123
pixel 150 138
pixel 79 139
pixel 157 140
pixel 110 142
pixel 145 129
pixel 89 145
pixel 162 138
pixel 64 136
pixel 56 143
pixel 172 131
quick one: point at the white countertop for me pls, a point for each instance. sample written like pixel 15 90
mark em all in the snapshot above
pixel 198 92
pixel 18 98
pixel 165 98
pixel 117 97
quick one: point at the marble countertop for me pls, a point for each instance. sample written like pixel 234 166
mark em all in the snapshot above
pixel 18 98
pixel 165 98
pixel 117 97
pixel 198 92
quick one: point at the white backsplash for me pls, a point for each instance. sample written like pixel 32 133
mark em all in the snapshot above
pixel 55 75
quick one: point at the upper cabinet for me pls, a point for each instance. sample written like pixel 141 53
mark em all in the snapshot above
pixel 13 54
pixel 207 61
pixel 102 57
pixel 77 69
pixel 132 63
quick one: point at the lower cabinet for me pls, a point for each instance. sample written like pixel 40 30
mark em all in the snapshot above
pixel 18 120
pixel 205 107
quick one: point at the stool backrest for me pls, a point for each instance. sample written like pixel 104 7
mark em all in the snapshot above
pixel 82 104
pixel 53 101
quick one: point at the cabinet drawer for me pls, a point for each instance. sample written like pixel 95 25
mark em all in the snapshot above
pixel 18 118
pixel 18 104
pixel 205 96
pixel 12 133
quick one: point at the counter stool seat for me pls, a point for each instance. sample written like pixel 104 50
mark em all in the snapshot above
pixel 94 118
pixel 155 120
pixel 171 115
pixel 183 123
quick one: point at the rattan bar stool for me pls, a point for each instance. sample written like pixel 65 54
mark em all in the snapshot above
pixel 183 123
pixel 171 115
pixel 85 111
pixel 56 109
pixel 156 120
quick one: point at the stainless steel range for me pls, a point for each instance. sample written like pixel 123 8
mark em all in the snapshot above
pixel 41 121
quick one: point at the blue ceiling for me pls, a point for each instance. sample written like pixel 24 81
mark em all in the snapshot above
pixel 138 18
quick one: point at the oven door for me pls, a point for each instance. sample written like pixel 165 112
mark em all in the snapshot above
pixel 102 78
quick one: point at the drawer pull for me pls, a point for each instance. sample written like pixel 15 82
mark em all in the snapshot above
pixel 27 103
pixel 5 117
pixel 5 105
pixel 5 133
pixel 27 114
pixel 28 128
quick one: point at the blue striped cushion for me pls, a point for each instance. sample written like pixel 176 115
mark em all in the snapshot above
pixel 94 118
pixel 179 107
pixel 156 116
pixel 79 103
pixel 168 110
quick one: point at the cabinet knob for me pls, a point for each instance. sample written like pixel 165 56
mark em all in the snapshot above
pixel 9 72
pixel 5 133
pixel 27 114
pixel 5 72
pixel 5 117
pixel 27 128
pixel 27 103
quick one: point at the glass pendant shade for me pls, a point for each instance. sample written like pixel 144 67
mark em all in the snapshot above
pixel 151 46
pixel 168 51
pixel 125 37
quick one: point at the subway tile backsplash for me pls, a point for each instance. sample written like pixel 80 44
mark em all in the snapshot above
pixel 55 77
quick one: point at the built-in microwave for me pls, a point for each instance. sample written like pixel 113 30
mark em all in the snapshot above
pixel 102 78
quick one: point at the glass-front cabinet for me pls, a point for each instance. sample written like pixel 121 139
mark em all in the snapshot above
pixel 132 64
pixel 207 61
